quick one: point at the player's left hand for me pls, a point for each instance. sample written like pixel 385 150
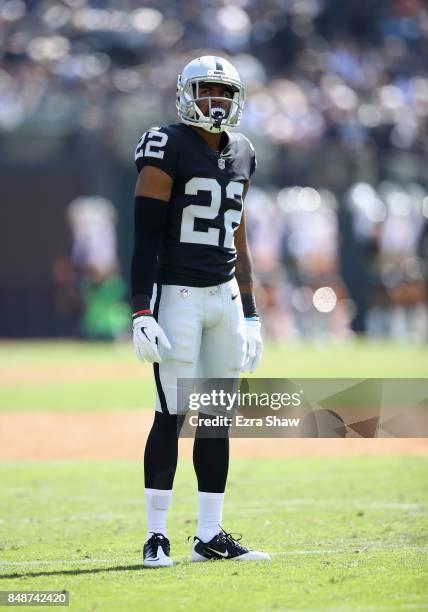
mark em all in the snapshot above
pixel 254 345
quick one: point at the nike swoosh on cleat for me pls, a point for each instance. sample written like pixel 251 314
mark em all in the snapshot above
pixel 217 552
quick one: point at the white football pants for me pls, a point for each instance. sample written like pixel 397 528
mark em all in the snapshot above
pixel 206 329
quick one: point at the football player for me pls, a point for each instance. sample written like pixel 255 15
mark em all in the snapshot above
pixel 192 290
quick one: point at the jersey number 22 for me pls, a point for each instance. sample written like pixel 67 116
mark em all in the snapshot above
pixel 150 145
pixel 232 217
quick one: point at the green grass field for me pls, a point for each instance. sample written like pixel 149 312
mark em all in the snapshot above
pixel 345 534
pixel 97 376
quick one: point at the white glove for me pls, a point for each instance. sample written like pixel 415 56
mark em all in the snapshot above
pixel 145 331
pixel 254 348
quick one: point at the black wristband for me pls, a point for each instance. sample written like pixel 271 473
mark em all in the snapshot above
pixel 249 305
pixel 149 221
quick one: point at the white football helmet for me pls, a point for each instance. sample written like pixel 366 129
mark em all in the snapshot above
pixel 209 69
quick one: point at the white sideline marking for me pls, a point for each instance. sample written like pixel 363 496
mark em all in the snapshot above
pixel 123 560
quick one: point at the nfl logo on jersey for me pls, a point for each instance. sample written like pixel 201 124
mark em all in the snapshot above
pixel 221 163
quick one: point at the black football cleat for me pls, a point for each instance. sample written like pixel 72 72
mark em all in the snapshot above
pixel 224 546
pixel 156 551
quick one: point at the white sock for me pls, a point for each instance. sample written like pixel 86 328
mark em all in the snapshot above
pixel 210 511
pixel 157 504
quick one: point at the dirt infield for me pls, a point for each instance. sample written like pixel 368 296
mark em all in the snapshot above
pixel 122 435
pixel 62 373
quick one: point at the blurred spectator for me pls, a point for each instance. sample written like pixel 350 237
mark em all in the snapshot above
pixel 88 282
pixel 388 223
pixel 337 102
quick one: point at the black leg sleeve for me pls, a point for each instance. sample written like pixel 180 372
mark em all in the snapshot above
pixel 160 456
pixel 211 457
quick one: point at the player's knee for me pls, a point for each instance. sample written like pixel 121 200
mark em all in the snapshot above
pixel 167 423
pixel 210 426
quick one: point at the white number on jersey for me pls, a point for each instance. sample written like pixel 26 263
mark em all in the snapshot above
pixel 150 144
pixel 232 217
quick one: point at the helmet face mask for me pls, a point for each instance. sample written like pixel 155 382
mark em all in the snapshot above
pixel 203 70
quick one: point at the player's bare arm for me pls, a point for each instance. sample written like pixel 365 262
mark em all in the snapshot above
pixel 243 271
pixel 153 182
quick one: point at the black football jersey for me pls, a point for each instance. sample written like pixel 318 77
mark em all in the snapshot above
pixel 205 209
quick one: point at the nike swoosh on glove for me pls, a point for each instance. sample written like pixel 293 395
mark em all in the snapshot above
pixel 254 348
pixel 145 332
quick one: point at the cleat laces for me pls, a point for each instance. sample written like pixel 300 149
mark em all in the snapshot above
pixel 232 541
pixel 156 540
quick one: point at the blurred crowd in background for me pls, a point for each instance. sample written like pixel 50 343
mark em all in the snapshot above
pixel 337 109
